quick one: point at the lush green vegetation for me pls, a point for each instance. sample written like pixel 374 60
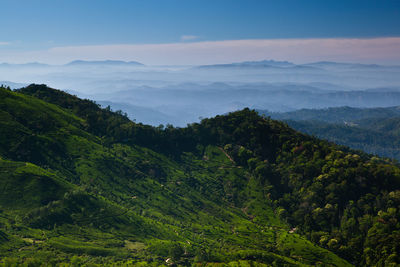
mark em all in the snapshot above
pixel 336 114
pixel 373 130
pixel 83 185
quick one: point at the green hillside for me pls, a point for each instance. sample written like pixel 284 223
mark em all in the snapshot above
pixel 371 140
pixel 336 114
pixel 83 185
pixel 373 130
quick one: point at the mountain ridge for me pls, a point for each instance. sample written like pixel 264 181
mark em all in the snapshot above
pixel 158 193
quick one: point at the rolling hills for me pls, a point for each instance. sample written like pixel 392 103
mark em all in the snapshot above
pixel 179 95
pixel 86 185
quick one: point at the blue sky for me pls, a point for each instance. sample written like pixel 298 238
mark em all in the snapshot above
pixel 40 25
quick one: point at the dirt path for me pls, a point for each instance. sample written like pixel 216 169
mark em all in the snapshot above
pixel 227 155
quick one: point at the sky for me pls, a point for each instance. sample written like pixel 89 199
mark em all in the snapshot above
pixel 201 31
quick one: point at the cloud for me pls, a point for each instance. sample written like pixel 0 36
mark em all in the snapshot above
pixel 374 50
pixel 189 37
pixel 4 43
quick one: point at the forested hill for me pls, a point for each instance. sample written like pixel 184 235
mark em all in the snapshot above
pixel 85 185
pixel 336 114
pixel 373 130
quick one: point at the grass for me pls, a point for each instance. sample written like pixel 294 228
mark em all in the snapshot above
pixel 68 198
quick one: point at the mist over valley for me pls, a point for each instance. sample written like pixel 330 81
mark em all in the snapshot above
pixel 179 95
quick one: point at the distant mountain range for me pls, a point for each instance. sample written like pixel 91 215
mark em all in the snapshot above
pixel 77 63
pixel 31 64
pixel 180 95
pixel 244 64
pixel 252 64
pixel 289 65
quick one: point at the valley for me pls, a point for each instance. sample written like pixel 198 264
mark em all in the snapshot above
pixel 82 184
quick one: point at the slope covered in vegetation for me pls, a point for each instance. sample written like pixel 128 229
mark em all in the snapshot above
pixel 373 130
pixel 336 114
pixel 81 184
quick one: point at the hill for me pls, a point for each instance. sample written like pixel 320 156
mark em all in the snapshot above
pixel 85 185
pixel 336 114
pixel 373 130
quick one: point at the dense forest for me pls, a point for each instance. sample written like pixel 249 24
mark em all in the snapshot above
pixel 373 130
pixel 336 114
pixel 83 185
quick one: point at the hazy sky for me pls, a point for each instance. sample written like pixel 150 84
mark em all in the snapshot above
pixel 201 31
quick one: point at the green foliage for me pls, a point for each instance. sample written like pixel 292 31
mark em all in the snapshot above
pixel 93 187
pixel 373 130
pixel 336 114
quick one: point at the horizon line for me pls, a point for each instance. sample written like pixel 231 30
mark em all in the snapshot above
pixel 382 50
